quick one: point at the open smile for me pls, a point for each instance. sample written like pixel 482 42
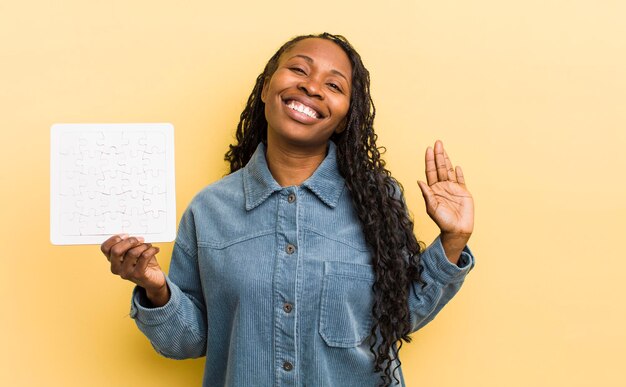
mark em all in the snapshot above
pixel 302 109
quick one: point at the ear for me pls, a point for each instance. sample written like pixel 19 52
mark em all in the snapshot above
pixel 266 84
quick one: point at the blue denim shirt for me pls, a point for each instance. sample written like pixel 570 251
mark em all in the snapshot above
pixel 274 285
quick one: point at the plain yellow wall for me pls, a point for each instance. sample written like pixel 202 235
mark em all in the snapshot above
pixel 528 96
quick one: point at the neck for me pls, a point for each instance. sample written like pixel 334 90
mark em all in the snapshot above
pixel 292 166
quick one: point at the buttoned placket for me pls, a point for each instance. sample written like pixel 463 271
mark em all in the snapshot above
pixel 284 289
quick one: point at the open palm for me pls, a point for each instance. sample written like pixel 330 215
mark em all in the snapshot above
pixel 448 202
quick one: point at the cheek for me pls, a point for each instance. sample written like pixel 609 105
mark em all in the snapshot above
pixel 342 107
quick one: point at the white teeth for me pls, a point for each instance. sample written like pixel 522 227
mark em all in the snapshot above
pixel 297 106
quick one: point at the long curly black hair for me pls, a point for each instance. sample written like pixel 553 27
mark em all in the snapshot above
pixel 377 199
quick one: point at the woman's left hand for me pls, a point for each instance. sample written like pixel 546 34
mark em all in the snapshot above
pixel 448 202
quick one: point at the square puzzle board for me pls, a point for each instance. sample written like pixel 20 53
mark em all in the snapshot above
pixel 107 179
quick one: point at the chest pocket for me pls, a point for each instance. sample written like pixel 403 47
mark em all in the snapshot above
pixel 346 304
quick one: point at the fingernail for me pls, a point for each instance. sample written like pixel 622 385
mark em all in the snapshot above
pixel 140 239
pixel 123 236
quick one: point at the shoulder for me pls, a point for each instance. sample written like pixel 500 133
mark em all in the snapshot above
pixel 229 189
pixel 223 199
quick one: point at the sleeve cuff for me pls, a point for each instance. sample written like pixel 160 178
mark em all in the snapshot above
pixel 158 315
pixel 435 260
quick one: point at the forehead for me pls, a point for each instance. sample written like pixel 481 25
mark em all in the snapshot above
pixel 324 53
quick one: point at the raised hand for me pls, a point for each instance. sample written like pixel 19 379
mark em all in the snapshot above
pixel 448 202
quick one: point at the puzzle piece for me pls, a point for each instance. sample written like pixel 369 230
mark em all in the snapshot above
pixel 112 142
pixel 116 182
pixel 70 223
pixel 88 143
pixel 90 222
pixel 111 161
pixel 137 221
pixel 154 143
pixel 114 223
pixel 137 139
pixel 153 162
pixel 71 143
pixel 89 162
pixel 153 181
pixel 154 202
pixel 93 200
pixel 157 221
pixel 71 183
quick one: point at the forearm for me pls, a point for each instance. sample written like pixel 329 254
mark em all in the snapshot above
pixel 177 329
pixel 158 297
pixel 453 245
pixel 440 281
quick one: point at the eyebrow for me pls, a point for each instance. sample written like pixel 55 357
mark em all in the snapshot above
pixel 310 60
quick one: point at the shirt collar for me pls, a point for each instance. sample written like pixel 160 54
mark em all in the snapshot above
pixel 326 182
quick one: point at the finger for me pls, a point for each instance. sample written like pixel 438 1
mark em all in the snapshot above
pixel 440 162
pixel 106 245
pixel 449 167
pixel 144 259
pixel 119 249
pixel 130 259
pixel 459 175
pixel 429 196
pixel 431 169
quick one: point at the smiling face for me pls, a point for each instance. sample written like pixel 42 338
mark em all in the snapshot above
pixel 308 96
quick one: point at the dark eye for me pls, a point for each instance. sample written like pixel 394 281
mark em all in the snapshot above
pixel 297 70
pixel 334 86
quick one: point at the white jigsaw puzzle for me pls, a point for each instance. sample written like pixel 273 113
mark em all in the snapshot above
pixel 108 179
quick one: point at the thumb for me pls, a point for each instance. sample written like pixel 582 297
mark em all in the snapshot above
pixel 429 196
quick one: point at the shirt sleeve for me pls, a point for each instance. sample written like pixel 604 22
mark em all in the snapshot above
pixel 441 281
pixel 177 329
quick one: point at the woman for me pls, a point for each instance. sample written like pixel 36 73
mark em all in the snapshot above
pixel 301 267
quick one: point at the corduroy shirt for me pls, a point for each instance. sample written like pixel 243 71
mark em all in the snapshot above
pixel 274 284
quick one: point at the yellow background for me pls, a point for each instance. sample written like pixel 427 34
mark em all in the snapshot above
pixel 528 96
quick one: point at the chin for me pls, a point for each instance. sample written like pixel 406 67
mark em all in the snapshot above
pixel 298 138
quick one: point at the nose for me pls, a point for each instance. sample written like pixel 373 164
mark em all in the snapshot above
pixel 311 87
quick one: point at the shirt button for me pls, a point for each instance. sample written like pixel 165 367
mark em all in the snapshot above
pixel 290 249
pixel 287 307
pixel 287 366
pixel 291 198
